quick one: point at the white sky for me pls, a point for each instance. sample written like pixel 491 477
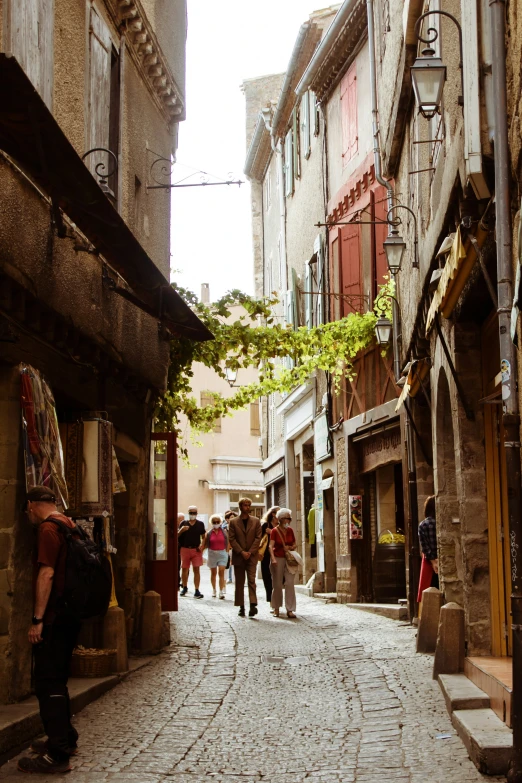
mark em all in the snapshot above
pixel 228 41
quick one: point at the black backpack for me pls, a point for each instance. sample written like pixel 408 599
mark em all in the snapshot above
pixel 88 576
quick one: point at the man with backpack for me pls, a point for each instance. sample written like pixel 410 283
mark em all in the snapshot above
pixel 71 582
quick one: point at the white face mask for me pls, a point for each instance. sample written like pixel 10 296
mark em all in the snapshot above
pixel 216 525
pixel 193 514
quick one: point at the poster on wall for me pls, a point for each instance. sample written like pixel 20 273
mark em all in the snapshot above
pixel 356 521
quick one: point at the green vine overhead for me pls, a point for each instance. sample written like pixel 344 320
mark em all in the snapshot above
pixel 257 339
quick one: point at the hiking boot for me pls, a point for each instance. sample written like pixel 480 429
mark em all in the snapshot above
pixel 197 594
pixel 184 591
pixel 43 765
pixel 241 612
pixel 40 747
pixel 253 610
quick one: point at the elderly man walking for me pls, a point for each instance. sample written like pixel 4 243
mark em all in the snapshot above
pixel 191 536
pixel 244 535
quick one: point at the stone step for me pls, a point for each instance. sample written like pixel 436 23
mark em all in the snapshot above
pixel 392 611
pixel 326 598
pixel 304 590
pixel 488 740
pixel 462 694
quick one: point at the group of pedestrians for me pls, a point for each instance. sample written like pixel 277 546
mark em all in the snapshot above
pixel 240 542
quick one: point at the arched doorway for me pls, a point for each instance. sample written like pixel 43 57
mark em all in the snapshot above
pixel 447 504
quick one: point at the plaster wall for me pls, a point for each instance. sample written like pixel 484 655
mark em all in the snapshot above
pixel 234 440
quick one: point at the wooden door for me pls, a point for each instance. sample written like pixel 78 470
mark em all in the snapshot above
pixel 496 487
pixel 162 572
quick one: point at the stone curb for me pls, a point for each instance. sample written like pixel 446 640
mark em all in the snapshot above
pixel 20 723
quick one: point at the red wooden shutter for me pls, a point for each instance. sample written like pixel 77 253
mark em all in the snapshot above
pixel 381 232
pixel 351 268
pixel 349 113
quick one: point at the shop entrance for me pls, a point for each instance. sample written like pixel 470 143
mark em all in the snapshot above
pixel 162 569
pixel 496 487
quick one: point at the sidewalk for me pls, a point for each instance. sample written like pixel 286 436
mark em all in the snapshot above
pixel 20 723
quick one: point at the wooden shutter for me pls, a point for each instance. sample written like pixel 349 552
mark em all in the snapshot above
pixel 289 165
pixel 308 296
pixel 320 311
pixel 349 114
pixel 296 144
pixel 380 210
pixel 31 34
pixel 206 399
pixel 255 427
pixel 304 114
pixel 315 112
pixel 351 268
pixel 98 115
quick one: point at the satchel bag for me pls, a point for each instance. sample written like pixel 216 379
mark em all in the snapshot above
pixel 291 562
pixel 262 547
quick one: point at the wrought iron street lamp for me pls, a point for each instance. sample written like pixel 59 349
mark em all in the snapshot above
pixel 231 376
pixel 394 247
pixel 428 72
pixel 383 330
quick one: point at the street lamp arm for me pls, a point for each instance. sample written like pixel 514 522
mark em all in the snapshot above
pixel 435 34
pixel 396 222
pixel 384 295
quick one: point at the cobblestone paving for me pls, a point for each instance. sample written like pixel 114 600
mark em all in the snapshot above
pixel 346 700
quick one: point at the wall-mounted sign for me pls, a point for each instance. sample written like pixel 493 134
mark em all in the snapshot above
pixel 377 450
pixel 322 440
pixel 274 472
pixel 356 521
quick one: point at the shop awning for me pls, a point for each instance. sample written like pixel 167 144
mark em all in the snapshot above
pixel 30 135
pixel 259 488
pixel 460 261
pixel 418 371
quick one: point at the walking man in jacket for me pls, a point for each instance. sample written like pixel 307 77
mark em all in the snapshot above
pixel 244 535
pixel 53 634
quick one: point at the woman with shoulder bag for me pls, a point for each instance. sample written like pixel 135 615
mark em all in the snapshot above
pixel 268 523
pixel 217 542
pixel 282 564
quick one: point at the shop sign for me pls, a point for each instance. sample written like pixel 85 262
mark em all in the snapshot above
pixel 322 440
pixel 274 472
pixel 380 449
pixel 356 521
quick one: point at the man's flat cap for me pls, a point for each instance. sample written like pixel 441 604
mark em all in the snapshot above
pixel 41 495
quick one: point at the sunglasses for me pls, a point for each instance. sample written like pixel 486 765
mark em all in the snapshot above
pixel 281 518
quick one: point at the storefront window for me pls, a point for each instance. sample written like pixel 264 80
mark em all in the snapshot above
pixel 160 500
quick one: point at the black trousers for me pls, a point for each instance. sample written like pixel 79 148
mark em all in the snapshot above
pixel 52 661
pixel 267 577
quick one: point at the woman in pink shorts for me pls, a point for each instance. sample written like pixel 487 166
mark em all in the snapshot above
pixel 217 543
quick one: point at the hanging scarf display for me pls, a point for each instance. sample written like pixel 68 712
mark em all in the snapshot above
pixel 43 454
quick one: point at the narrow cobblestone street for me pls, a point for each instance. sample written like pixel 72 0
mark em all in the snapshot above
pixel 346 700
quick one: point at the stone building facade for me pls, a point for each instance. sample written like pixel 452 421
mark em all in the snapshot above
pixel 85 259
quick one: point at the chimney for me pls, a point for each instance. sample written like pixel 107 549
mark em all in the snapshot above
pixel 205 293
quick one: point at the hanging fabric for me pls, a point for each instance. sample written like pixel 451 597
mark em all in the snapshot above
pixel 118 484
pixel 44 464
pixel 89 466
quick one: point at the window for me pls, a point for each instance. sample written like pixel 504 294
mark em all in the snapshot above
pixel 30 31
pixel 304 115
pixel 207 398
pixel 289 165
pixel 320 315
pixel 103 115
pixel 316 114
pixel 308 296
pixel 349 114
pixel 297 143
pixel 255 427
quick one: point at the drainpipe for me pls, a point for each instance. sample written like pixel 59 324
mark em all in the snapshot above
pixel 510 415
pixel 413 513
